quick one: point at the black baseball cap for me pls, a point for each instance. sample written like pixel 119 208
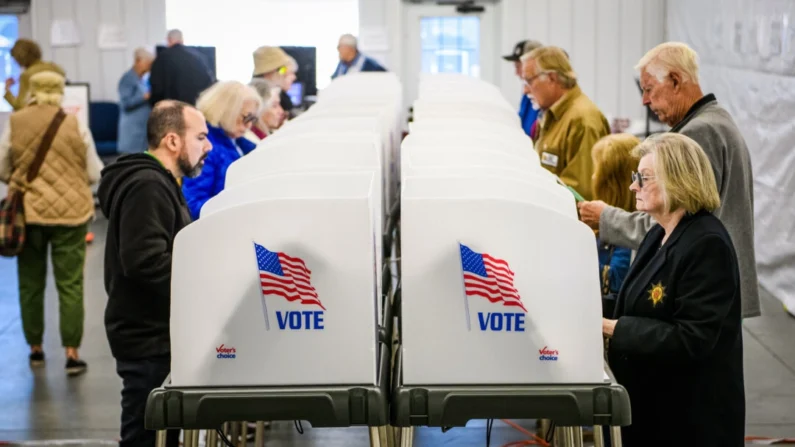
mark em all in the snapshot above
pixel 522 47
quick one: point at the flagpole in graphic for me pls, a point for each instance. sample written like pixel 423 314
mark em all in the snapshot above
pixel 261 294
pixel 466 298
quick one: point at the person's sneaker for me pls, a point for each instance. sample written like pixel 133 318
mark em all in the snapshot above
pixel 75 367
pixel 36 358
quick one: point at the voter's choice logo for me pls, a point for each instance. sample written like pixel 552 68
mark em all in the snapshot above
pixel 287 277
pixel 488 277
pixel 548 355
pixel 224 352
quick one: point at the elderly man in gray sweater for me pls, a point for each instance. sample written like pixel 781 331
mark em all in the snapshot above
pixel 669 79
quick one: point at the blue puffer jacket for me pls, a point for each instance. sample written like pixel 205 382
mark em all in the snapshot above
pixel 211 181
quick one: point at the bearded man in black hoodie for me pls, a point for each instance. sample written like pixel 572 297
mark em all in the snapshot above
pixel 141 196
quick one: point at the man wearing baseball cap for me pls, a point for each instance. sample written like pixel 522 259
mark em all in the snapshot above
pixel 528 111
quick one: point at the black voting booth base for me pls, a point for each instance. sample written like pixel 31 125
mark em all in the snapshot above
pixel 390 402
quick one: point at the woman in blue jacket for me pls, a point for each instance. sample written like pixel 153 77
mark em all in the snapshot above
pixel 230 108
pixel 613 166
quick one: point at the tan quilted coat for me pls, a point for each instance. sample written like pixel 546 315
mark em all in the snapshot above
pixel 60 194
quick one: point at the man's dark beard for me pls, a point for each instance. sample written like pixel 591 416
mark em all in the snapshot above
pixel 188 170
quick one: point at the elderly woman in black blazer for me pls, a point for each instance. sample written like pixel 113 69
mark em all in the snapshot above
pixel 675 342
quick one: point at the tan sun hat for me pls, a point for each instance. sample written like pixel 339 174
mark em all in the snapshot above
pixel 268 59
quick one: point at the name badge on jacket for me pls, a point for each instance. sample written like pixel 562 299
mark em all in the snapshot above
pixel 549 159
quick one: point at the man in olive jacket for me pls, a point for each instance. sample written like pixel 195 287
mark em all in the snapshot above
pixel 669 79
pixel 571 122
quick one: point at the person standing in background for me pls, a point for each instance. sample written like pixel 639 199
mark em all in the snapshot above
pixel 670 84
pixel 277 67
pixel 528 110
pixel 134 104
pixel 27 54
pixel 571 123
pixel 351 59
pixel 57 206
pixel 613 165
pixel 179 73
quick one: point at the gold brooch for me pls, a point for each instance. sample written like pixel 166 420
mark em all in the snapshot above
pixel 657 293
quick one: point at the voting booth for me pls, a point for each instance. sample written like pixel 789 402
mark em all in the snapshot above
pixel 346 276
pixel 281 277
pixel 278 299
pixel 500 305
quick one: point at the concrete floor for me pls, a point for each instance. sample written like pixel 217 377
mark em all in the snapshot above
pixel 44 404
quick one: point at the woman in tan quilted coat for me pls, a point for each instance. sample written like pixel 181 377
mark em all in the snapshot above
pixel 58 205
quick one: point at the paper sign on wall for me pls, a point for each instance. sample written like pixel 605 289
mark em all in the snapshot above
pixel 63 33
pixel 75 101
pixel 373 39
pixel 111 37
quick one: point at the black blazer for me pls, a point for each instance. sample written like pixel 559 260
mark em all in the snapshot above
pixel 179 73
pixel 677 347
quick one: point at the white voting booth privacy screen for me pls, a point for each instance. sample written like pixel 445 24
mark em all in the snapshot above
pixel 278 281
pixel 499 278
pixel 279 278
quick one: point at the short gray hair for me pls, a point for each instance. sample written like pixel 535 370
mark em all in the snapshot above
pixel 142 53
pixel 265 89
pixel 668 56
pixel 349 40
pixel 175 35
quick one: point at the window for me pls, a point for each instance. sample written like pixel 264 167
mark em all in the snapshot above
pixel 237 32
pixel 451 45
pixel 9 33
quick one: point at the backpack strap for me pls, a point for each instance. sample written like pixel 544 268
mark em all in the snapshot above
pixel 45 144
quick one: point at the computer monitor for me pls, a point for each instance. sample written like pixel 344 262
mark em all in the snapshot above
pixel 208 53
pixel 296 93
pixel 306 57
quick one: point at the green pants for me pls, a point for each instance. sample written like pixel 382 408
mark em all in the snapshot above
pixel 68 258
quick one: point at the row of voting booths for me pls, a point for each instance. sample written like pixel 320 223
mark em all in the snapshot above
pixel 348 276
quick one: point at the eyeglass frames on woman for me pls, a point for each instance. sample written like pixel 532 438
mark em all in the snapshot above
pixel 637 177
pixel 249 118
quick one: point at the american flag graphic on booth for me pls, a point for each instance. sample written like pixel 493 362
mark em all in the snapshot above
pixel 285 276
pixel 489 277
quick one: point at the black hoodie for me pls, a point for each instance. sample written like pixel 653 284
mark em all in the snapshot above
pixel 145 209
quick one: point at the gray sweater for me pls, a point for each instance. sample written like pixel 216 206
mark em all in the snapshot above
pixel 711 126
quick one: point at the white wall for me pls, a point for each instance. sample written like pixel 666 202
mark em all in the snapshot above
pixel 144 22
pixel 603 37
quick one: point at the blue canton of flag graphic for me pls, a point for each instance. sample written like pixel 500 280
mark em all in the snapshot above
pixel 489 277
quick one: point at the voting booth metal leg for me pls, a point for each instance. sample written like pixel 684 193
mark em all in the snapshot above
pixel 259 435
pixel 406 436
pixel 160 438
pixel 598 436
pixel 243 434
pixel 578 440
pixel 212 438
pixel 615 436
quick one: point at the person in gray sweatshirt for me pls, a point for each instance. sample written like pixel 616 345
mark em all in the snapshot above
pixel 669 80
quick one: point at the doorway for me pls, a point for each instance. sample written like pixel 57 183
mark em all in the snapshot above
pixel 439 39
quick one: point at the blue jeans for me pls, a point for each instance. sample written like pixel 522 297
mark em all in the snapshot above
pixel 139 378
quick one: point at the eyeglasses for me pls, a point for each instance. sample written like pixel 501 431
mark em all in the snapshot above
pixel 530 80
pixel 249 118
pixel 637 177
